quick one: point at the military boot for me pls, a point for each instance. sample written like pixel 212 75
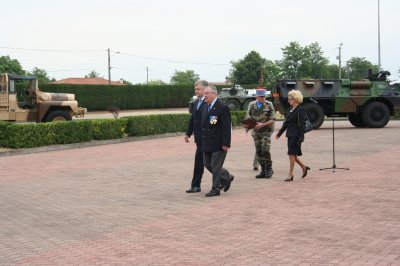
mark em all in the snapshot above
pixel 262 173
pixel 268 172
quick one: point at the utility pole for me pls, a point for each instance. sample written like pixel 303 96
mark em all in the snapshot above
pixel 340 60
pixel 109 67
pixel 379 39
pixel 147 75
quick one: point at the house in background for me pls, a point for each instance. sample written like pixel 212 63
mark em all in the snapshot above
pixel 87 81
pixel 227 84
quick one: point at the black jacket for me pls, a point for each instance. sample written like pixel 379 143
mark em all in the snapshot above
pixel 195 122
pixel 216 127
pixel 294 123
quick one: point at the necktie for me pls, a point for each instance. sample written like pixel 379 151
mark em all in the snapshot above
pixel 199 104
pixel 209 107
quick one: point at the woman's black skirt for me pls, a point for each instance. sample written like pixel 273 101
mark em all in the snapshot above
pixel 294 146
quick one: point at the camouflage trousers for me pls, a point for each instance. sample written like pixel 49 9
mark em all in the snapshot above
pixel 263 145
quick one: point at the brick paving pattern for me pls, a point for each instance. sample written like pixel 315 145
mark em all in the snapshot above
pixel 124 204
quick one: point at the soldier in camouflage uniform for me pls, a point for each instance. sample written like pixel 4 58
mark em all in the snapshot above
pixel 263 113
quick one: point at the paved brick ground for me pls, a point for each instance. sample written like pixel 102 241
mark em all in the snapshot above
pixel 124 204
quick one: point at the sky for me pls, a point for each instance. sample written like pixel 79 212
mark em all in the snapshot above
pixel 151 39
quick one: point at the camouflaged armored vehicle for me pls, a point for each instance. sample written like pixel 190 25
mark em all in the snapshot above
pixel 37 106
pixel 366 103
pixel 238 98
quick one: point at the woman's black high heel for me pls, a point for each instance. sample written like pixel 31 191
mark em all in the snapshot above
pixel 305 172
pixel 290 178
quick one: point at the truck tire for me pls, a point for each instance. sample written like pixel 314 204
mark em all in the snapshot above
pixel 246 104
pixel 57 115
pixel 356 119
pixel 233 105
pixel 376 115
pixel 315 114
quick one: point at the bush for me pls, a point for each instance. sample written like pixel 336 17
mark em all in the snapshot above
pixel 237 116
pixel 109 128
pixel 156 124
pixel 4 133
pixel 43 134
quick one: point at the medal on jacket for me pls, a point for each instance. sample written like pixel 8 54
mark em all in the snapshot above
pixel 213 119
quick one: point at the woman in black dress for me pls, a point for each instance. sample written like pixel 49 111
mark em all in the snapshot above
pixel 294 125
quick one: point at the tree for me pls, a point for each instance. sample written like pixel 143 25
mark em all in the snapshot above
pixel 12 66
pixel 272 70
pixel 332 72
pixel 315 63
pixel 184 77
pixel 292 62
pixel 40 74
pixel 357 68
pixel 248 69
pixel 156 82
pixel 92 74
pixel 304 62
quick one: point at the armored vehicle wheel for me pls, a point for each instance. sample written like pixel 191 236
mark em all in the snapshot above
pixel 58 115
pixel 246 104
pixel 315 114
pixel 376 114
pixel 233 105
pixel 356 119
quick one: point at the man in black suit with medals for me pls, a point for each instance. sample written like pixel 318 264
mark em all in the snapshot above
pixel 194 127
pixel 216 140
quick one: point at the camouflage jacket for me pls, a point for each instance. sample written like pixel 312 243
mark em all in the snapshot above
pixel 261 115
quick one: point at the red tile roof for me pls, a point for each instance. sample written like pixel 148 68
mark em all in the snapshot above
pixel 220 83
pixel 86 81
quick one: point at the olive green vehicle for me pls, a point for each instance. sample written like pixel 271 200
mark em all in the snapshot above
pixel 237 97
pixel 366 103
pixel 37 106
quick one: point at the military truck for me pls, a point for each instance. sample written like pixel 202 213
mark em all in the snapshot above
pixel 36 106
pixel 366 103
pixel 237 97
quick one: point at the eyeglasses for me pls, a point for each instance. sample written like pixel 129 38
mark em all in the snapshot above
pixel 290 99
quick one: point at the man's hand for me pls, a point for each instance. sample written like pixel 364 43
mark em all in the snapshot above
pixel 225 148
pixel 186 138
pixel 259 125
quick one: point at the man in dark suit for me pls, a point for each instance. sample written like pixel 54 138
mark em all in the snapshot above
pixel 195 127
pixel 216 133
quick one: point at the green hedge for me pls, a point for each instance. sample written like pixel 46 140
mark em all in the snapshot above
pixel 43 134
pixel 109 128
pixel 31 135
pixel 156 124
pixel 101 97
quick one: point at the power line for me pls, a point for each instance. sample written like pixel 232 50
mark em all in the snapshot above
pixel 174 61
pixel 51 50
pixel 124 53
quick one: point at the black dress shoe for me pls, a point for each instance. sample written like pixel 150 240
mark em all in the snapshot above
pixel 228 184
pixel 193 190
pixel 290 178
pixel 305 172
pixel 212 193
pixel 222 185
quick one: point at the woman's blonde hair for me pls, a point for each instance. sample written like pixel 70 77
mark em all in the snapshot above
pixel 296 95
